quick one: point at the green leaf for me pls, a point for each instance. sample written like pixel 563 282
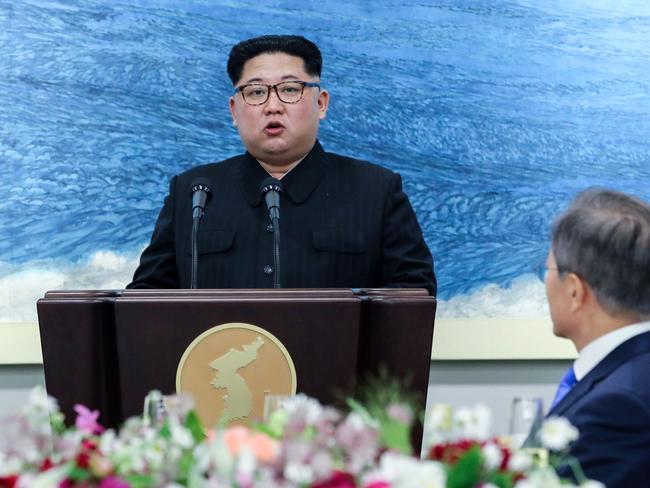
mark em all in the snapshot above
pixel 467 471
pixel 193 424
pixel 502 479
pixel 79 474
pixel 185 466
pixel 139 480
pixel 165 432
pixel 396 436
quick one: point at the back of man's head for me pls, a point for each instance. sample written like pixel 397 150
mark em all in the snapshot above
pixel 604 237
pixel 293 45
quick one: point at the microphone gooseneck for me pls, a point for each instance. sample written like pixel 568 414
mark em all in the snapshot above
pixel 271 189
pixel 200 189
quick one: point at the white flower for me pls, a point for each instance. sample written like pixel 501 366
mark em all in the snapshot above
pixel 180 435
pixel 300 474
pixel 541 478
pixel 519 462
pixel 474 423
pixel 40 401
pixel 489 485
pixel 402 471
pixel 592 484
pixel 9 465
pixel 310 408
pixel 557 433
pixel 440 417
pixel 492 455
pixel 246 464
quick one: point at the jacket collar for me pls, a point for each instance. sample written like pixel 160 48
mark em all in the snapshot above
pixel 633 347
pixel 298 184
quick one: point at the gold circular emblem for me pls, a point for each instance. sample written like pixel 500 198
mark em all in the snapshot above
pixel 230 369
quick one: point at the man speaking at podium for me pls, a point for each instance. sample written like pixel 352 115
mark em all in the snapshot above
pixel 344 223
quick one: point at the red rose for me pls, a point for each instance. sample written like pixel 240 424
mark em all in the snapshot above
pixel 339 479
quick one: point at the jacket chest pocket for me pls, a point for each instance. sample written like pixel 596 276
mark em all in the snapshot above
pixel 213 241
pixel 347 241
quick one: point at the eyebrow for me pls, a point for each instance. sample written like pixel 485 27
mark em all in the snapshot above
pixel 260 80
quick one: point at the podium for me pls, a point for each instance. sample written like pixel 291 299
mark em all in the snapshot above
pixel 107 349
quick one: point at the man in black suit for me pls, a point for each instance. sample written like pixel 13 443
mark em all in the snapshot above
pixel 344 222
pixel 598 287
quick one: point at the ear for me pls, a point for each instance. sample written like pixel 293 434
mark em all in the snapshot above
pixel 323 103
pixel 233 112
pixel 579 292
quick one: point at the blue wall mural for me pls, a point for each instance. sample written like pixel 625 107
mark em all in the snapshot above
pixel 496 113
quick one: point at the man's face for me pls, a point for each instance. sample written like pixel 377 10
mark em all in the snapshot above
pixel 278 133
pixel 558 296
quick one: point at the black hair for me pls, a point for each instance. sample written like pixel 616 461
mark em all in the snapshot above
pixel 292 45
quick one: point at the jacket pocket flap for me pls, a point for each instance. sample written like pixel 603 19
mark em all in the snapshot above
pixel 213 241
pixel 339 240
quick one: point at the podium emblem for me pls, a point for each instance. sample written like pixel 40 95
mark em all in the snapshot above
pixel 230 369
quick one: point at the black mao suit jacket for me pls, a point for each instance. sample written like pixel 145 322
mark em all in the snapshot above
pixel 344 223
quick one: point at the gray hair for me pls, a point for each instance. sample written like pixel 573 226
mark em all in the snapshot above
pixel 604 237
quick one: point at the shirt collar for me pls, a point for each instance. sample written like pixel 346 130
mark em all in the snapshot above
pixel 298 183
pixel 594 352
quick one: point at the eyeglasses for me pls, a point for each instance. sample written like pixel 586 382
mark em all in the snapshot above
pixel 287 91
pixel 542 270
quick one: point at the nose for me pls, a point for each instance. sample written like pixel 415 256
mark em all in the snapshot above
pixel 273 104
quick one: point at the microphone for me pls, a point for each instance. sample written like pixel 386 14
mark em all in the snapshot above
pixel 200 196
pixel 271 189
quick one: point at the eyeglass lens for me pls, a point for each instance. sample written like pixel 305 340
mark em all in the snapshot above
pixel 288 92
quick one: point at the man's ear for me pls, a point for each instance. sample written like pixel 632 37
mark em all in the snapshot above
pixel 233 113
pixel 579 292
pixel 323 103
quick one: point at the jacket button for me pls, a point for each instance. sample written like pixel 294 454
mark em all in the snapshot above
pixel 269 228
pixel 268 269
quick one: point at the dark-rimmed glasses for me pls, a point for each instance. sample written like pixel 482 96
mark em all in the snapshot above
pixel 287 91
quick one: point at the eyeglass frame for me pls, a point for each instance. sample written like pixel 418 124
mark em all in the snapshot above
pixel 541 271
pixel 304 84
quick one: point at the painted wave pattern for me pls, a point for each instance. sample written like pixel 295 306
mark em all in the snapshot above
pixel 496 115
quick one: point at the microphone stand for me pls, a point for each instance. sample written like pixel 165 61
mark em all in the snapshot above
pixel 275 221
pixel 195 252
pixel 271 188
pixel 200 195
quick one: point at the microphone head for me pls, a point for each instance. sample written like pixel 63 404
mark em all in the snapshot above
pixel 200 184
pixel 270 184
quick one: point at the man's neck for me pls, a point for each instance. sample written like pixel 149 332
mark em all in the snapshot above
pixel 603 323
pixel 279 170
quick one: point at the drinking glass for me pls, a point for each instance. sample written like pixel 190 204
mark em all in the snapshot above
pixel 526 417
pixel 273 403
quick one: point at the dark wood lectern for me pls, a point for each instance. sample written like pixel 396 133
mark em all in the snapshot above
pixel 108 349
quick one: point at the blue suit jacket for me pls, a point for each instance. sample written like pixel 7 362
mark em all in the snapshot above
pixel 611 409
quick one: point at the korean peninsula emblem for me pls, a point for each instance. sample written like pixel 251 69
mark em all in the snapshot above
pixel 230 369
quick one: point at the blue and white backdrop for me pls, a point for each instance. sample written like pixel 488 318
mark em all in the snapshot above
pixel 496 113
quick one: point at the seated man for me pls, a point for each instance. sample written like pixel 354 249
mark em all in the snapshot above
pixel 345 223
pixel 598 287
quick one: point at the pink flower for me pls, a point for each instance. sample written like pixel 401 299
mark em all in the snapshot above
pixel 378 484
pixel 400 412
pixel 113 482
pixel 87 421
pixel 339 479
pixel 264 448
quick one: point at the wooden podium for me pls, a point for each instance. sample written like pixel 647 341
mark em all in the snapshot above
pixel 107 349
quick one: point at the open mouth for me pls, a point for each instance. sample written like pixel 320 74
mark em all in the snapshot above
pixel 273 127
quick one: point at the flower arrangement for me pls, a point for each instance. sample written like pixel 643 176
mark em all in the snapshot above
pixel 303 444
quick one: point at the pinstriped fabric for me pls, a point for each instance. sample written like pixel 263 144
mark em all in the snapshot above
pixel 344 223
